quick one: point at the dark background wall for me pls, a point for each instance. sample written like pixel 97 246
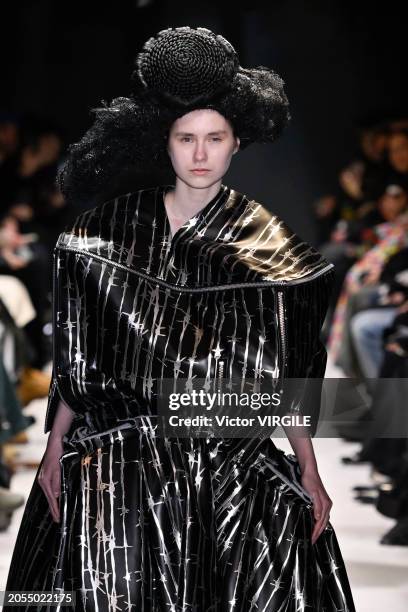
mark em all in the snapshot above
pixel 343 65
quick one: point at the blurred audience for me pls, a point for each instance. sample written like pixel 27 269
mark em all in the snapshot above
pixel 32 214
pixel 364 232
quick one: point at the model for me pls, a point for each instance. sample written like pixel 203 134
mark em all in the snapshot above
pixel 184 281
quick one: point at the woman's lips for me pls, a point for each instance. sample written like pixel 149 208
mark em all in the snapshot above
pixel 200 171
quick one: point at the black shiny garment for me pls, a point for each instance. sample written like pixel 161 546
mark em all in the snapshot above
pixel 180 524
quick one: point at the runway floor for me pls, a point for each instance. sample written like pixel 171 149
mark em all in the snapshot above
pixel 378 573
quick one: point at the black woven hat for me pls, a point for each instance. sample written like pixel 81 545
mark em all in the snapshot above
pixel 186 68
pixel 176 71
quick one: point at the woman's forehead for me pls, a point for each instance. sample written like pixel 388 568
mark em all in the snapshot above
pixel 202 119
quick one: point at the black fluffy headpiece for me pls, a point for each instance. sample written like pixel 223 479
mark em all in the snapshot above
pixel 177 71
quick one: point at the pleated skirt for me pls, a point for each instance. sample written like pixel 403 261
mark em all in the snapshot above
pixel 152 524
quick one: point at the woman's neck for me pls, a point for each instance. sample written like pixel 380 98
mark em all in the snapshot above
pixel 185 201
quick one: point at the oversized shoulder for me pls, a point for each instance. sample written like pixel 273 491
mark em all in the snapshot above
pixel 106 220
pixel 268 245
pixel 237 239
pixel 110 209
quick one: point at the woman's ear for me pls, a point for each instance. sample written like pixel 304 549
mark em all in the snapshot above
pixel 236 149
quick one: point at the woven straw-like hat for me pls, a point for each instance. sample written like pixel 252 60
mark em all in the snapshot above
pixel 177 71
pixel 187 68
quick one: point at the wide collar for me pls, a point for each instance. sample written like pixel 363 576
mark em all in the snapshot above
pixel 231 241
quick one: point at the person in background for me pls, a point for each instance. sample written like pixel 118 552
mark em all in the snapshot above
pixel 391 236
pixel 15 264
pixel 397 149
pixel 351 240
pixel 367 326
pixel 361 183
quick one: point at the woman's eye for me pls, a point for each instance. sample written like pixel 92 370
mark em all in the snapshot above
pixel 189 139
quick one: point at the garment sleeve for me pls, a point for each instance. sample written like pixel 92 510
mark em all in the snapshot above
pixel 83 374
pixel 69 332
pixel 62 351
pixel 53 392
pixel 306 306
pixel 62 281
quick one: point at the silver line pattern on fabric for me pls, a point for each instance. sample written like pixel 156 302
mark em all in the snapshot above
pixel 155 524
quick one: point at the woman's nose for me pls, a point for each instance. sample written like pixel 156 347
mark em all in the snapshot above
pixel 200 152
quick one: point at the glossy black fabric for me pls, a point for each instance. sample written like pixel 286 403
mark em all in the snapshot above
pixel 189 524
pixel 134 306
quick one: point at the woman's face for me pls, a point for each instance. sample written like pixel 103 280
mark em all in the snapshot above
pixel 201 139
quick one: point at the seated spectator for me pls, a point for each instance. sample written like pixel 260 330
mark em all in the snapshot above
pixel 367 327
pixel 381 445
pixel 353 239
pixel 29 261
pixel 362 182
pixel 398 156
pixel 16 313
pixel 392 236
pixel 373 144
pixel 33 177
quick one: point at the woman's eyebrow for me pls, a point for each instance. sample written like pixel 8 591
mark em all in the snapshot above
pixel 218 132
